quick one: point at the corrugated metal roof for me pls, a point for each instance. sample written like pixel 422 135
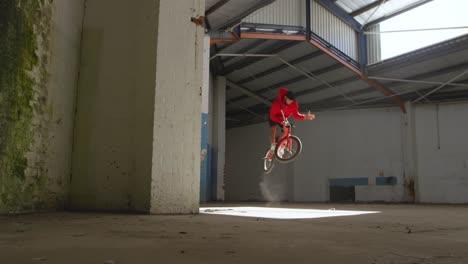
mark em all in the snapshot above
pixel 388 8
pixel 434 65
pixel 280 12
pixel 227 13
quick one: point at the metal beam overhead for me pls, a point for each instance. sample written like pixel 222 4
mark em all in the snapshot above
pixel 462 95
pixel 377 21
pixel 236 20
pixel 441 86
pixel 416 81
pixel 246 110
pixel 248 61
pixel 246 49
pixel 424 54
pixel 293 80
pixel 368 90
pixel 366 8
pixel 215 7
pixel 313 90
pixel 391 84
pixel 281 67
pixel 247 92
pixel 314 77
pixel 373 12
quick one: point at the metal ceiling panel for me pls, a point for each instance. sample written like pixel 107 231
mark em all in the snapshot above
pixel 233 93
pixel 230 11
pixel 247 102
pixel 389 7
pixel 280 12
pixel 431 65
pixel 331 92
pixel 271 80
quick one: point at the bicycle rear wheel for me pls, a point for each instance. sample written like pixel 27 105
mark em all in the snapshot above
pixel 288 149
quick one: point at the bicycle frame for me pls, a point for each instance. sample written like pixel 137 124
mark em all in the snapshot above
pixel 284 143
pixel 286 132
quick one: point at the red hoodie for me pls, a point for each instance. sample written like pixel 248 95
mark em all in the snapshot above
pixel 280 103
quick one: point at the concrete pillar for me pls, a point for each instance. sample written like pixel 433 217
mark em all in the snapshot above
pixel 410 153
pixel 219 136
pixel 137 128
pixel 175 179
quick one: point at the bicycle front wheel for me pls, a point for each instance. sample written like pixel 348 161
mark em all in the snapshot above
pixel 288 149
pixel 268 162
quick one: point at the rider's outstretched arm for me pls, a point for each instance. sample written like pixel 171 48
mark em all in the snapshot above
pixel 296 114
pixel 299 116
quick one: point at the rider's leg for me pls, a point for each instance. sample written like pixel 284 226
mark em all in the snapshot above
pixel 273 126
pixel 273 134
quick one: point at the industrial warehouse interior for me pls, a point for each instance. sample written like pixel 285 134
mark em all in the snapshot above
pixel 143 131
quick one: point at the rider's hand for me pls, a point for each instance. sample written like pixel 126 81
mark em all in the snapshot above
pixel 310 116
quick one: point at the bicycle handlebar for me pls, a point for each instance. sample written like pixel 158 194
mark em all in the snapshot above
pixel 285 120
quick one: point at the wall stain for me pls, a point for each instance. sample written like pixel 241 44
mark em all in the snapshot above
pixel 24 46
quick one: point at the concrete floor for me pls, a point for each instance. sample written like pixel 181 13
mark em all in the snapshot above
pixel 399 234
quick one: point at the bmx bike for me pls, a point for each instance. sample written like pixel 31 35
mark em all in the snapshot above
pixel 288 148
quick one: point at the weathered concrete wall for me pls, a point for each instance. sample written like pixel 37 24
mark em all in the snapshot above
pixel 113 136
pixel 347 145
pixel 337 145
pixel 65 47
pixel 175 185
pixel 380 193
pixel 137 137
pixel 38 60
pixel 425 150
pixel 442 153
pixel 245 179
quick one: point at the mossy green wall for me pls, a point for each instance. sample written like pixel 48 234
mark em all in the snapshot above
pixel 24 34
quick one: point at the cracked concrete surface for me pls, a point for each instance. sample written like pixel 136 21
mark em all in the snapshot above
pixel 406 234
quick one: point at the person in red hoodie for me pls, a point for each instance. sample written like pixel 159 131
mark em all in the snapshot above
pixel 286 101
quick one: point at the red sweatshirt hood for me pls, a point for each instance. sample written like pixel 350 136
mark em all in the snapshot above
pixel 282 92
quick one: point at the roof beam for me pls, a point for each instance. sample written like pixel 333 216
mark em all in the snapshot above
pixel 377 21
pixel 433 73
pixel 313 90
pixel 398 100
pixel 215 7
pixel 246 49
pixel 424 54
pixel 236 20
pixel 441 86
pixel 248 61
pixel 408 95
pixel 293 80
pixel 367 8
pixel 414 77
pixel 271 36
pixel 280 67
pixel 247 92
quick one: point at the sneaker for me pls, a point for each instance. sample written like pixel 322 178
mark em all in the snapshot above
pixel 269 155
pixel 281 152
pixel 273 146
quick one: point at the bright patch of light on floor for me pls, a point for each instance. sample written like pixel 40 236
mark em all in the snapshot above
pixel 280 213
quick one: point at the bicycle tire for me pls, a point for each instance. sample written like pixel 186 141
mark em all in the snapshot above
pixel 268 165
pixel 294 156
